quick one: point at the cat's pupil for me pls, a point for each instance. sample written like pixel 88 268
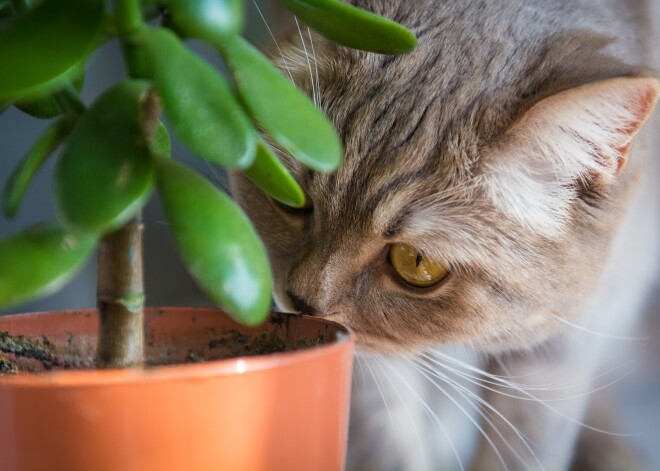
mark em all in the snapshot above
pixel 418 259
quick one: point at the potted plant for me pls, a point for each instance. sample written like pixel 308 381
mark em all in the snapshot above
pixel 164 410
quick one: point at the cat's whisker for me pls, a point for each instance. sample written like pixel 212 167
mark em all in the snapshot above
pixel 217 177
pixel 462 409
pixel 405 405
pixel 359 364
pixel 382 394
pixel 498 380
pixel 482 383
pixel 317 97
pixel 545 404
pixel 626 366
pixel 309 64
pixel 263 18
pixel 600 334
pixel 429 412
pixel 482 404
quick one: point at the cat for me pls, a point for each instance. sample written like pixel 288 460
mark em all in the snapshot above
pixel 496 197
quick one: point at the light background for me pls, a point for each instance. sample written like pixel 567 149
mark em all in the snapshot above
pixel 167 282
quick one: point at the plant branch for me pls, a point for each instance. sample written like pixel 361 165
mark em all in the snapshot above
pixel 128 16
pixel 69 100
pixel 120 298
pixel 129 22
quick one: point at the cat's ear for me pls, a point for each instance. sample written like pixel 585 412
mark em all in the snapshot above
pixel 579 137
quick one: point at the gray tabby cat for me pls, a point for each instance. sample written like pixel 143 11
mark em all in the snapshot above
pixel 491 202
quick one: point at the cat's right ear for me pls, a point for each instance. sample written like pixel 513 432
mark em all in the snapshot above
pixel 582 135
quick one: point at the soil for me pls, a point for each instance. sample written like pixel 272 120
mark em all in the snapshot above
pixel 20 353
pixel 235 343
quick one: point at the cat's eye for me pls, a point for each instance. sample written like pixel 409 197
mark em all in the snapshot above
pixel 415 268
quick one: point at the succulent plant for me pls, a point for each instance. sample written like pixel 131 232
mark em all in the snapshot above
pixel 116 151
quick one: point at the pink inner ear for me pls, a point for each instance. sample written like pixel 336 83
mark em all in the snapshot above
pixel 576 138
pixel 641 108
pixel 623 157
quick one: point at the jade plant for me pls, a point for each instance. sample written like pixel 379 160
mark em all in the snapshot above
pixel 116 150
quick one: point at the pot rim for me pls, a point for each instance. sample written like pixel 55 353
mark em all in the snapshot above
pixel 345 339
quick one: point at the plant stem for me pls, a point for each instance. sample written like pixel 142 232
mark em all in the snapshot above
pixel 128 16
pixel 69 100
pixel 129 22
pixel 120 298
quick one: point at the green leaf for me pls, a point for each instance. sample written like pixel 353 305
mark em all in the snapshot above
pixel 105 173
pixel 216 242
pixel 353 27
pixel 284 112
pixel 45 43
pixel 5 9
pixel 206 19
pixel 45 106
pixel 199 103
pixel 20 178
pixel 39 261
pixel 269 174
pixel 160 145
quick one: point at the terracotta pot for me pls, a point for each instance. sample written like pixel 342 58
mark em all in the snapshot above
pixel 283 411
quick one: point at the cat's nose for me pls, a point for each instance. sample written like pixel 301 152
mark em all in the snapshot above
pixel 299 305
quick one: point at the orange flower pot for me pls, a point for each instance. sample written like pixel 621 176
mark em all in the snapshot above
pixel 283 411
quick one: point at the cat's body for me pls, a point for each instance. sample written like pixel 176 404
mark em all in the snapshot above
pixel 500 147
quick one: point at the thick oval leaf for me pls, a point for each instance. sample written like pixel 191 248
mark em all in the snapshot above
pixel 199 103
pixel 39 261
pixel 284 112
pixel 46 42
pixel 206 19
pixel 46 106
pixel 353 27
pixel 269 174
pixel 105 173
pixel 217 242
pixel 20 178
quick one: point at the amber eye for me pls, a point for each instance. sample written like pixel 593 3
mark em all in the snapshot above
pixel 415 268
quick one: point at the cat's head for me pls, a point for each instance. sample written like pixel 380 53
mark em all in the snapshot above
pixel 483 179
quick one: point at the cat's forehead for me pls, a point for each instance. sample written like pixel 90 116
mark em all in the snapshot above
pixel 415 124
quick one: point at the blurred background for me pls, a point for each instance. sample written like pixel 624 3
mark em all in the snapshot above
pixel 168 284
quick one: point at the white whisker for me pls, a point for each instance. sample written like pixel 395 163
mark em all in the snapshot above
pixel 219 178
pixel 600 334
pixel 462 409
pixel 382 395
pixel 540 401
pixel 430 414
pixel 405 405
pixel 309 64
pixel 485 404
pixel 317 99
pixel 286 66
pixel 359 363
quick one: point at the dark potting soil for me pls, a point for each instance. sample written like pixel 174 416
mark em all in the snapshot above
pixel 20 353
pixel 235 343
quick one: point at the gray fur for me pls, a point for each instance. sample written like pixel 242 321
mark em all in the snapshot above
pixel 418 130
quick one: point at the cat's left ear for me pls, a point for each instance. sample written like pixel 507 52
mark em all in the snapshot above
pixel 596 122
pixel 582 135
